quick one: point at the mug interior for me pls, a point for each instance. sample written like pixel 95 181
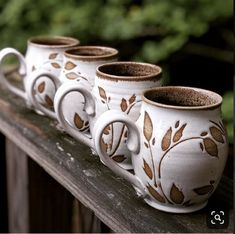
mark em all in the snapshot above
pixel 128 71
pixel 92 51
pixel 182 97
pixel 54 41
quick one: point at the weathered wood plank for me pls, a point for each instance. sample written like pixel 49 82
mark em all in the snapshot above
pixel 50 205
pixel 17 187
pixel 111 198
pixel 3 188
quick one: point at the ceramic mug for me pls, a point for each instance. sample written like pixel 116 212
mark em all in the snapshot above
pixel 43 55
pixel 118 86
pixel 79 64
pixel 178 144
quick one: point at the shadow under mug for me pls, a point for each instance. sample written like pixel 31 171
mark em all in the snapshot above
pixel 43 56
pixel 118 85
pixel 178 144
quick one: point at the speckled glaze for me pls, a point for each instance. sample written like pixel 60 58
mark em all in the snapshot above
pixel 44 55
pixel 118 86
pixel 79 67
pixel 179 147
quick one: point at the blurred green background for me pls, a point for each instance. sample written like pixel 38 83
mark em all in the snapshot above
pixel 191 39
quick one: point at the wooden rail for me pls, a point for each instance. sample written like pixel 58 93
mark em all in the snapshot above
pixel 113 200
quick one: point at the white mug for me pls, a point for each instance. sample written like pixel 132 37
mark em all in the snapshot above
pixel 79 64
pixel 178 144
pixel 43 56
pixel 118 86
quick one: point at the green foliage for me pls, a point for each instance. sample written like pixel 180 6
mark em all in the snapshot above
pixel 227 110
pixel 154 28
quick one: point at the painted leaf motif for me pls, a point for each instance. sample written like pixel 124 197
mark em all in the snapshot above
pixel 201 146
pixel 132 99
pixel 106 130
pixel 53 55
pixel 69 65
pixel 104 146
pixel 210 147
pixel 176 195
pixel 155 194
pixel 41 87
pixel 78 121
pixel 33 68
pixel 48 101
pixel 204 133
pixel 153 141
pixel 179 133
pixel 222 127
pixel 123 105
pixel 217 134
pixel 147 170
pixel 102 93
pixel 72 75
pixel 55 65
pixel 204 190
pixel 166 140
pixel 146 145
pixel 148 126
pixel 177 124
pixel 119 158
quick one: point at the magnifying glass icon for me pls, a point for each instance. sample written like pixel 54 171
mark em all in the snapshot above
pixel 217 217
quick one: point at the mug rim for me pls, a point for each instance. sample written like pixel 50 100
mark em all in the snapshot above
pixel 71 41
pixel 152 76
pixel 112 53
pixel 215 96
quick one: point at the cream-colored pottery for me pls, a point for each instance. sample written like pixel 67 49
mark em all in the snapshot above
pixel 178 144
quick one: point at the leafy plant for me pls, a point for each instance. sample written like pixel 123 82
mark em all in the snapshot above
pixel 227 110
pixel 147 30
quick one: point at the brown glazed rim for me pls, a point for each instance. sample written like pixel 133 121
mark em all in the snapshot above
pixel 156 75
pixel 41 41
pixel 217 99
pixel 109 53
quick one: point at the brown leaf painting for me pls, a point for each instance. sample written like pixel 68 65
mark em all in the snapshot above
pixel 119 158
pixel 148 170
pixel 72 75
pixel 123 104
pixel 106 130
pixel 166 140
pixel 55 65
pixel 78 121
pixel 217 134
pixel 53 55
pixel 177 124
pixel 179 133
pixel 176 195
pixel 148 126
pixel 102 93
pixel 204 133
pixel 69 65
pixel 204 190
pixel 132 99
pixel 48 101
pixel 155 194
pixel 201 146
pixel 153 141
pixel 104 146
pixel 41 87
pixel 210 147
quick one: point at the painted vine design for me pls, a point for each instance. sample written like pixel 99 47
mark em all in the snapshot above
pixel 172 138
pixel 126 106
pixel 71 75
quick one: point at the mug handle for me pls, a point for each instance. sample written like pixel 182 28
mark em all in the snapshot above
pixel 22 71
pixel 30 90
pixel 89 107
pixel 133 144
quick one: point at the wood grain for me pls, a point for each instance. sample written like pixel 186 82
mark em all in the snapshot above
pixel 112 199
